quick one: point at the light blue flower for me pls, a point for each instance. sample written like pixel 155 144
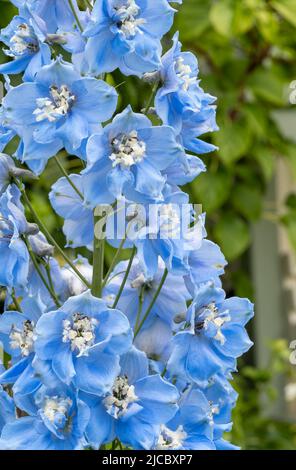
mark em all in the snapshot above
pixel 17 333
pixel 191 428
pixel 213 337
pixel 56 421
pixel 126 34
pixel 170 303
pixel 26 46
pixel 181 102
pixel 205 264
pixel 83 340
pixel 129 157
pixel 161 230
pixel 57 110
pixel 67 203
pixel 134 408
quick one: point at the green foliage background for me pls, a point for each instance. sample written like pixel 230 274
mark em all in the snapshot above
pixel 247 57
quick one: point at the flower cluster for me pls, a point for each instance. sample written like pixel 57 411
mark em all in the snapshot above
pixel 139 355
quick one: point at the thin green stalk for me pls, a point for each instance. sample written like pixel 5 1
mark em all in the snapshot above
pixel 64 172
pixel 125 278
pixel 89 4
pixel 137 330
pixel 15 301
pixel 75 15
pixel 151 98
pixel 140 307
pixel 49 236
pixel 40 273
pixel 98 262
pixel 114 261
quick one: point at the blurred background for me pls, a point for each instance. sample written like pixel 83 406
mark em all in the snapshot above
pixel 247 58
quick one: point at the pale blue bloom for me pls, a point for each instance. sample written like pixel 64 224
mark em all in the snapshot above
pixel 57 421
pixel 126 34
pixel 26 46
pixel 83 340
pixel 134 408
pixel 213 336
pixel 129 157
pixel 7 406
pixel 57 110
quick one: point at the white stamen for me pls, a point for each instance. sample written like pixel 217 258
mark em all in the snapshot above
pixel 170 440
pixel 80 333
pixel 127 150
pixel 122 396
pixel 23 339
pixel 56 406
pixel 23 41
pixel 184 72
pixel 127 21
pixel 215 318
pixel 58 104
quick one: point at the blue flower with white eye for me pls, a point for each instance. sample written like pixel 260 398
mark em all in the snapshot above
pixel 74 285
pixel 83 340
pixel 170 303
pixel 126 34
pixel 205 264
pixel 56 13
pixel 17 333
pixel 181 102
pixel 26 46
pixel 6 405
pixel 191 428
pixel 69 204
pixel 134 407
pixel 129 157
pixel 57 421
pixel 57 110
pixel 160 230
pixel 213 336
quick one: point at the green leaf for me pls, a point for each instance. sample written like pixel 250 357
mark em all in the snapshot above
pixel 233 140
pixel 267 84
pixel 287 9
pixel 266 159
pixel 247 200
pixel 221 16
pixel 212 190
pixel 233 235
pixel 289 220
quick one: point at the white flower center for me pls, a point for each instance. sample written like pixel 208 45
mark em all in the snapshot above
pixel 58 104
pixel 213 318
pixel 127 150
pixel 80 332
pixel 170 440
pixel 56 408
pixel 214 410
pixel 23 41
pixel 184 72
pixel 122 396
pixel 23 339
pixel 126 19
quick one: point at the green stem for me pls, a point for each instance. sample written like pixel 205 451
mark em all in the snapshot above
pixel 98 262
pixel 140 308
pixel 151 98
pixel 64 172
pixel 89 4
pixel 15 301
pixel 40 273
pixel 114 261
pixel 152 302
pixel 125 278
pixel 75 15
pixel 49 236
